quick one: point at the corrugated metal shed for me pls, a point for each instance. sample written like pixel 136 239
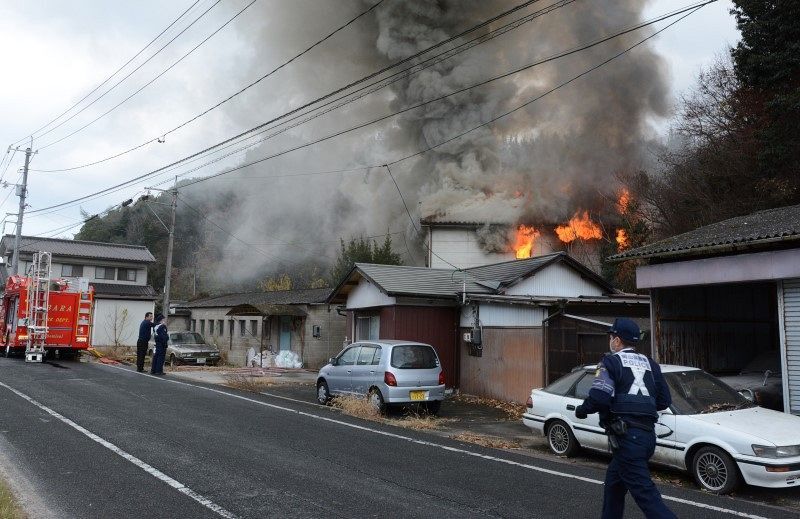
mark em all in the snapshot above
pixel 781 224
pixel 791 322
pixel 78 249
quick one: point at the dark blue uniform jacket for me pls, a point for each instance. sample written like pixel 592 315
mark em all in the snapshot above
pixel 145 329
pixel 161 335
pixel 629 385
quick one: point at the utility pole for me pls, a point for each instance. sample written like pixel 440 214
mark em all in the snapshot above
pixel 170 244
pixel 22 191
pixel 169 247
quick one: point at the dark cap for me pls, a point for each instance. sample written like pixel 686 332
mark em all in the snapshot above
pixel 625 329
pixel 159 317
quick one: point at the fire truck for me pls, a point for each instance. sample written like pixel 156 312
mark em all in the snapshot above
pixel 39 315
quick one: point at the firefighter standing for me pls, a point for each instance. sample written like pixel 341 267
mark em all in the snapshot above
pixel 145 332
pixel 161 339
pixel 628 391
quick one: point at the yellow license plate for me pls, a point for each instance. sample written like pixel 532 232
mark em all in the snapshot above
pixel 417 395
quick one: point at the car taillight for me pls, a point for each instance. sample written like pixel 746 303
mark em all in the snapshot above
pixel 389 379
pixel 529 402
pixel 441 378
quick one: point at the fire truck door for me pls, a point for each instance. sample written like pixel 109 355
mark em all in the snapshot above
pixel 11 320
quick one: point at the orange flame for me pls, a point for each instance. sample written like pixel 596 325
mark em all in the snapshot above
pixel 624 201
pixel 580 226
pixel 623 242
pixel 523 241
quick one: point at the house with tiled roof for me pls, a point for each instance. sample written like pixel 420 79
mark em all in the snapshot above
pixel 285 320
pixel 726 298
pixel 499 329
pixel 117 272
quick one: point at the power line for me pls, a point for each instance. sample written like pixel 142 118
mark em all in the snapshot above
pixel 118 71
pixel 152 80
pixel 336 134
pixel 315 101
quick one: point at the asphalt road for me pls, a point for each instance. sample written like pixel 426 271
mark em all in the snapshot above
pixel 89 440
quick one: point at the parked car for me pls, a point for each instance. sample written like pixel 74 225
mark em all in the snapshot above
pixel 190 348
pixel 710 430
pixel 386 372
pixel 760 381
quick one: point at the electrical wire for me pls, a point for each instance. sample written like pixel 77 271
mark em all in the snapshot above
pixel 315 101
pixel 95 89
pixel 336 134
pixel 230 20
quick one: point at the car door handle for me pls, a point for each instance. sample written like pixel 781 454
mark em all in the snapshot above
pixel 372 372
pixel 570 407
pixel 349 371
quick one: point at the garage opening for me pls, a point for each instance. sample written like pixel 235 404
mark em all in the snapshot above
pixel 729 330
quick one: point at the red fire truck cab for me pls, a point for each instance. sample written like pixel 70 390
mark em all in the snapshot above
pixel 69 315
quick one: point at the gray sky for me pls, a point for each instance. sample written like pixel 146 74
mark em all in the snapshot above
pixel 54 52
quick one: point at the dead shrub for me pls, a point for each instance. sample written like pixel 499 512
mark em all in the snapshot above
pixel 356 406
pixel 486 441
pixel 118 353
pixel 244 382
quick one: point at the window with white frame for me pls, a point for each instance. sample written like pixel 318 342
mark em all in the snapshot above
pixel 368 327
pixel 71 271
pixel 105 272
pixel 126 274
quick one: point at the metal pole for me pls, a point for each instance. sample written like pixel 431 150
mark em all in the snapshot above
pixel 23 190
pixel 168 273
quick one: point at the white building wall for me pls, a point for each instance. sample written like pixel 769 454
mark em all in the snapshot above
pixel 367 295
pixel 116 321
pixel 89 270
pixel 460 247
pixel 505 315
pixel 556 280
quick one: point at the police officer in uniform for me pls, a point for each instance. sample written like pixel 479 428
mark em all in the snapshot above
pixel 628 391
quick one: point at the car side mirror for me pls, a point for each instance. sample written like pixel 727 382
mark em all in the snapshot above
pixel 332 361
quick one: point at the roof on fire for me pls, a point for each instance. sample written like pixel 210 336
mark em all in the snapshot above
pixel 78 249
pixel 753 230
pixel 438 283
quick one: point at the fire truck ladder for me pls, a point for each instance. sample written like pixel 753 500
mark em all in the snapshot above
pixel 37 306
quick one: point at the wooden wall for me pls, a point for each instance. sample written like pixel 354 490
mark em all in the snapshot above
pixel 436 326
pixel 511 365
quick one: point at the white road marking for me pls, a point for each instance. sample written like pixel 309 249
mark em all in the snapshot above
pixel 177 485
pixel 440 446
pixel 273 395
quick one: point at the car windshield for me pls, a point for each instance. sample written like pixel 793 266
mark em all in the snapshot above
pixel 186 338
pixel 414 356
pixel 697 392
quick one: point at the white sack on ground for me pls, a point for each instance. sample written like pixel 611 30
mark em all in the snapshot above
pixel 288 359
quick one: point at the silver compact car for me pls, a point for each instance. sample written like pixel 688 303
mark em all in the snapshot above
pixel 387 372
pixel 190 348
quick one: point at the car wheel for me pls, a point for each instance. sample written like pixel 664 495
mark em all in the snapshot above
pixel 376 399
pixel 714 470
pixel 323 395
pixel 561 440
pixel 433 407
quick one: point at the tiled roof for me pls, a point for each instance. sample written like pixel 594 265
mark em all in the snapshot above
pixel 397 280
pixel 772 225
pixel 280 297
pixel 111 290
pixel 78 249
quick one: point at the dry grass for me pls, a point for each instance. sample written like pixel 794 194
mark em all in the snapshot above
pixel 118 353
pixel 358 407
pixel 254 384
pixel 486 441
pixel 361 408
pixel 9 508
pixel 512 410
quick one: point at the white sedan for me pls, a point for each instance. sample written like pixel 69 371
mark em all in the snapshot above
pixel 710 430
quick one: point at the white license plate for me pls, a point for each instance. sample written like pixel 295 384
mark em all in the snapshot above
pixel 201 360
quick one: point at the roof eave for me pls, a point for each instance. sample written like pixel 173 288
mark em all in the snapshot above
pixel 697 251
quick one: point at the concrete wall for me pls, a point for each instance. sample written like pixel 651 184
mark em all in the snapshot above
pixel 116 321
pixel 313 351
